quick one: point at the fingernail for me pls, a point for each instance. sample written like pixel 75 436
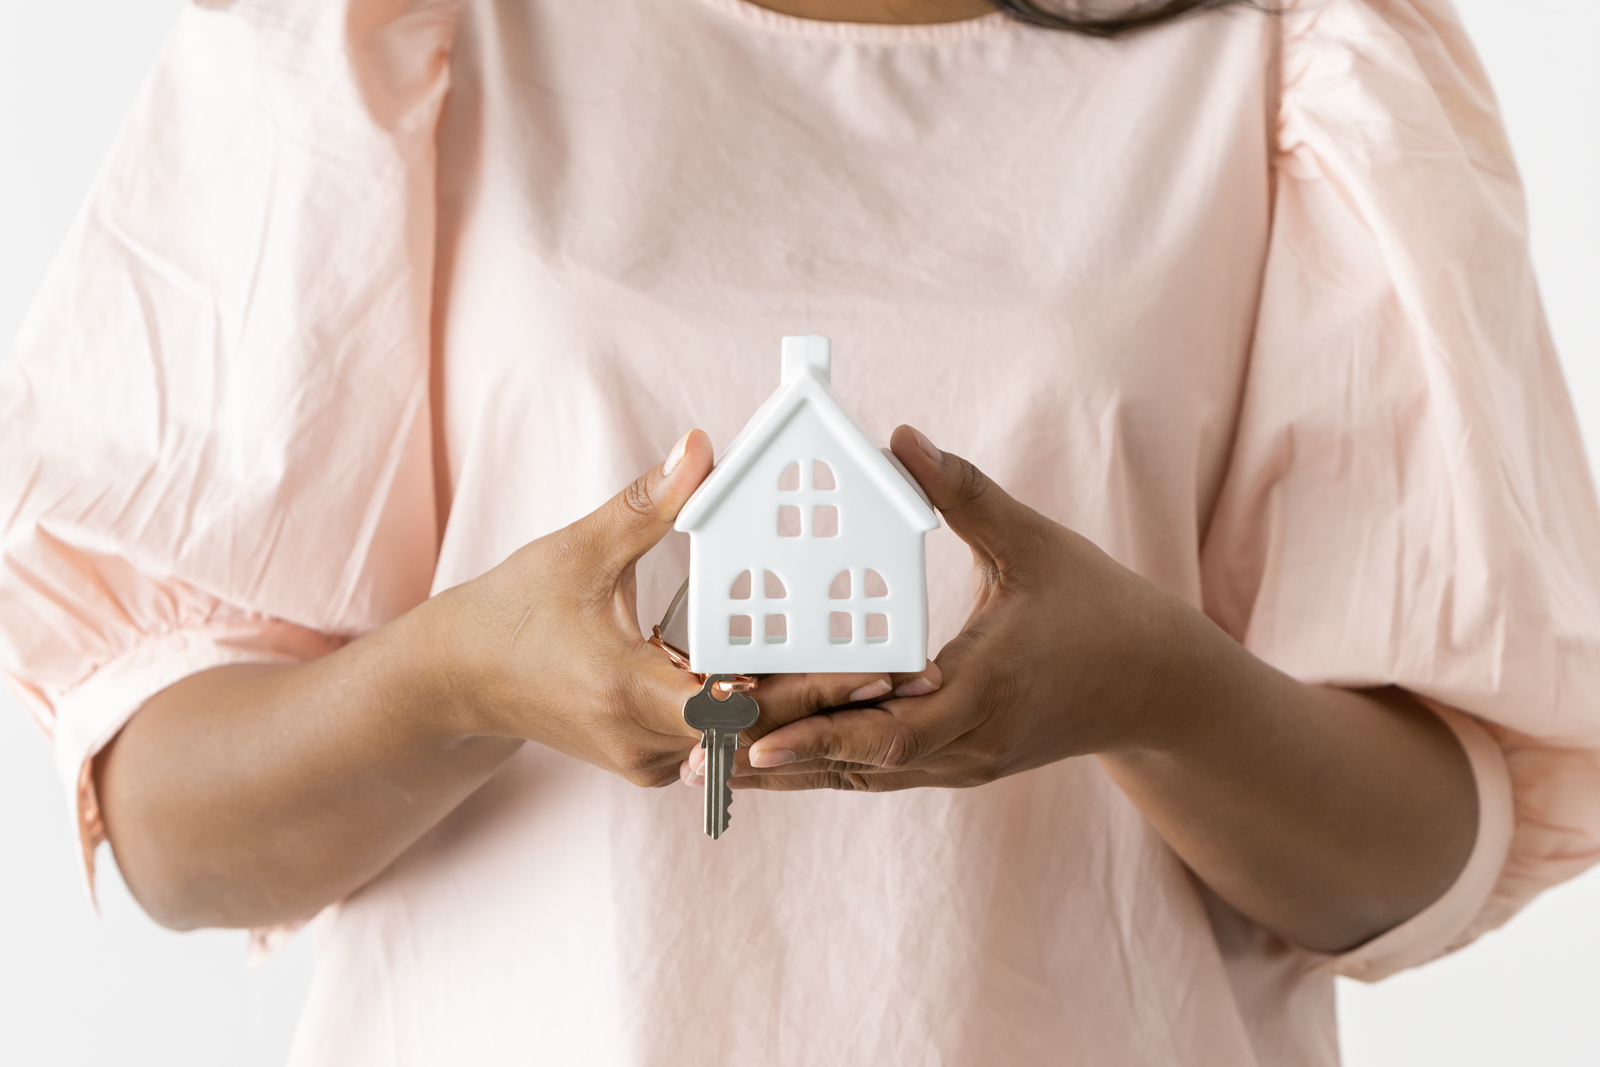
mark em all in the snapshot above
pixel 697 760
pixel 688 779
pixel 872 689
pixel 772 757
pixel 927 446
pixel 675 457
pixel 927 682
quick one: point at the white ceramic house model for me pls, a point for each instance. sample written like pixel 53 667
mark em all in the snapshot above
pixel 805 541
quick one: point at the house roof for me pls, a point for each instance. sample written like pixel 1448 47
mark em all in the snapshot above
pixel 807 374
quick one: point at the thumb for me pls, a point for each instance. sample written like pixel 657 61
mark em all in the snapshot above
pixel 990 520
pixel 628 525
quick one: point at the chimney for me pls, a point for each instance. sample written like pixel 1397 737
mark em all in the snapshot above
pixel 807 355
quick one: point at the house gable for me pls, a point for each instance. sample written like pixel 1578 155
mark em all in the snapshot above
pixel 816 563
pixel 806 387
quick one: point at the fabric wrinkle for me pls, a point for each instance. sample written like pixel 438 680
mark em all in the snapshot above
pixel 447 276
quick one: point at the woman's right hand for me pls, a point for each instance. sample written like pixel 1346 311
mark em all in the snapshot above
pixel 547 646
pixel 255 794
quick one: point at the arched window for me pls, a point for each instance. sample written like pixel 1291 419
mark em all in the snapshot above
pixel 844 626
pixel 874 583
pixel 839 588
pixel 775 626
pixel 825 517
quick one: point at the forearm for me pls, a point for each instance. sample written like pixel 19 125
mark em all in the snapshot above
pixel 1327 815
pixel 245 796
pixel 251 795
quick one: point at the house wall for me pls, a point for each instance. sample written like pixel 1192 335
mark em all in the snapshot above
pixel 742 534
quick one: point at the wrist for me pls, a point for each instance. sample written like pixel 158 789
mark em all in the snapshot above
pixel 1182 662
pixel 435 674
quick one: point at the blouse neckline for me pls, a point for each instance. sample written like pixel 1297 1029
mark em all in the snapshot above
pixel 877 33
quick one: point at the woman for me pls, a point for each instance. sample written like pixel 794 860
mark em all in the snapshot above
pixel 1283 647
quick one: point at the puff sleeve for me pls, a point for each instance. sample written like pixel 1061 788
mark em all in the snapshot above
pixel 214 430
pixel 1408 501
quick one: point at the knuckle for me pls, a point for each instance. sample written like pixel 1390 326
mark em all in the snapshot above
pixel 635 499
pixel 652 770
pixel 901 748
pixel 815 694
pixel 990 759
pixel 974 483
pixel 877 745
pixel 847 781
pixel 662 776
pixel 982 772
pixel 635 761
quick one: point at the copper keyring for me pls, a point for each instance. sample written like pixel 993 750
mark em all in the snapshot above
pixel 738 683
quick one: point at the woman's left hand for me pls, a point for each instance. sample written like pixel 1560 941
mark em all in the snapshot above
pixel 1061 656
pixel 1327 815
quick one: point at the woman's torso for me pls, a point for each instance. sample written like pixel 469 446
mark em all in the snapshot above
pixel 1043 250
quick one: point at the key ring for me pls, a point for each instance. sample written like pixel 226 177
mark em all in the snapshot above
pixel 738 683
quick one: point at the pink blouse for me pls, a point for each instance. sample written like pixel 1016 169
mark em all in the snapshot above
pixel 372 292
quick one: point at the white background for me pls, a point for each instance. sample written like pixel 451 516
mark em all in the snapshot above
pixel 76 990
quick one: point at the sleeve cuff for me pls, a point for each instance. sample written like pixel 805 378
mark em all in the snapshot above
pixel 89 716
pixel 1442 926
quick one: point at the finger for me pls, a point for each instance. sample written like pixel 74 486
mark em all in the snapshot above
pixel 985 516
pixel 786 697
pixel 923 717
pixel 843 778
pixel 892 736
pixel 926 681
pixel 628 525
pixel 743 769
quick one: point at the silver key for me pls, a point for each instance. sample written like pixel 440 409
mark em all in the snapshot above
pixel 719 723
